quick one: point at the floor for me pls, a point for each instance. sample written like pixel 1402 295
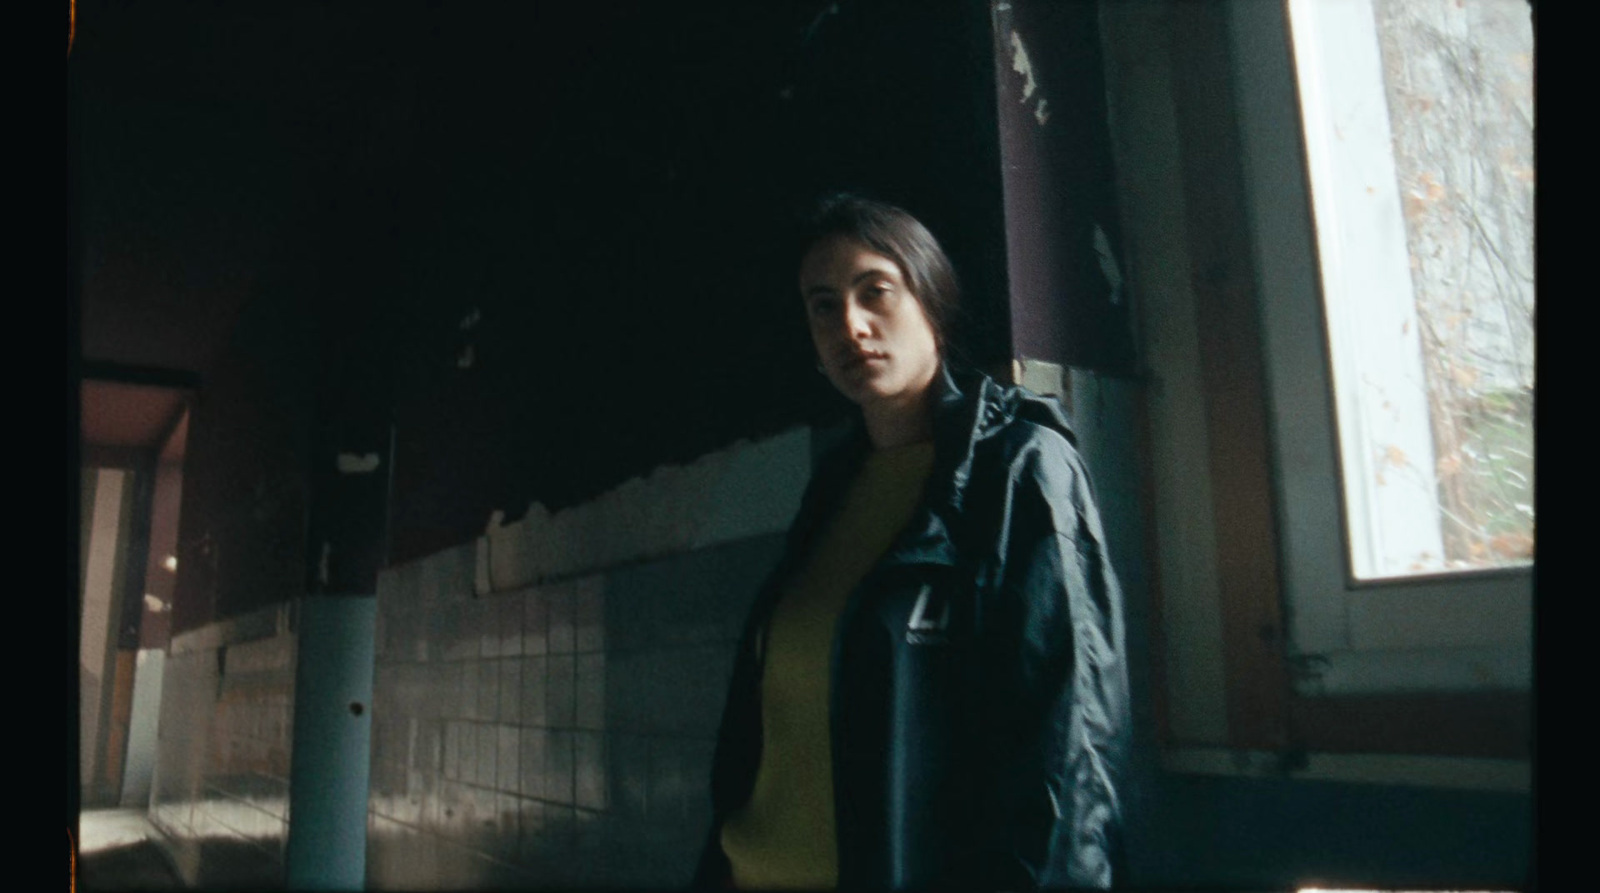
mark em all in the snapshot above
pixel 118 849
pixel 121 850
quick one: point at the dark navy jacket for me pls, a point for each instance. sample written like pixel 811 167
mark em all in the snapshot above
pixel 979 699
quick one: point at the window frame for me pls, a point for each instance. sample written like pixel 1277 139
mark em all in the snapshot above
pixel 1244 237
pixel 1451 632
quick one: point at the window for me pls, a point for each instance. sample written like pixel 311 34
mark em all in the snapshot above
pixel 1401 253
pixel 1419 143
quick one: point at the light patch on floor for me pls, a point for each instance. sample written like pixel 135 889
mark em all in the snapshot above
pixel 103 829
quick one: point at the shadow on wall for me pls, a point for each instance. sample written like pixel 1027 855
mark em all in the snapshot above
pixel 560 733
pixel 221 785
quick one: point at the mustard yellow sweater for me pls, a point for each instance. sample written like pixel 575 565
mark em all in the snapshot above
pixel 784 836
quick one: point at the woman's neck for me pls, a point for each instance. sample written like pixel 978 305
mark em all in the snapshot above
pixel 899 423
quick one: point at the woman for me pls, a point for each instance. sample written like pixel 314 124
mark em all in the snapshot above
pixel 930 690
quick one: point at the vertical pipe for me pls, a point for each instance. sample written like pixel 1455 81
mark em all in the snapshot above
pixel 327 847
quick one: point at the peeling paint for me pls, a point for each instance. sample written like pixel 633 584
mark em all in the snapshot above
pixel 1030 85
pixel 1108 263
pixel 464 358
pixel 1041 377
pixel 485 558
pixel 350 463
pixel 1021 65
pixel 744 490
pixel 322 563
pixel 471 319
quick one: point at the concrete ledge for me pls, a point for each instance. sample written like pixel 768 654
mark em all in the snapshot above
pixel 1465 773
pixel 745 490
pixel 265 623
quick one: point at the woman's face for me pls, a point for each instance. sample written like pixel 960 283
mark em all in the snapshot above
pixel 871 334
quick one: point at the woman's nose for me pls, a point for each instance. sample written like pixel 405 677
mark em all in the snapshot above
pixel 857 324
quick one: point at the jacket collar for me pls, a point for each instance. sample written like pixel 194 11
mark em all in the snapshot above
pixel 966 411
pixel 965 417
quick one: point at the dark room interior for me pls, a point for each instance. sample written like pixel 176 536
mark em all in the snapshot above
pixel 442 394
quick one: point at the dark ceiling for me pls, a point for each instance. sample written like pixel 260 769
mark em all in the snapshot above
pixel 217 146
pixel 545 245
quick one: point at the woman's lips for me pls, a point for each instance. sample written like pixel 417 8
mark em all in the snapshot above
pixel 860 358
pixel 855 362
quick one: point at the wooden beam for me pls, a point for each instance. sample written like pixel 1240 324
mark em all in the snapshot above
pixel 152 376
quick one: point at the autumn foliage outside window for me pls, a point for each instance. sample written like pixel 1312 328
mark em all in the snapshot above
pixel 1419 137
pixel 1459 79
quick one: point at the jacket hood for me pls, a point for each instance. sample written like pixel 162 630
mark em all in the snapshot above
pixel 968 412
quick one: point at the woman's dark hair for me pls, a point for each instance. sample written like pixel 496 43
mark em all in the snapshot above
pixel 895 234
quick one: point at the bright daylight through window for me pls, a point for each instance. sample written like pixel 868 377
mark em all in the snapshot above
pixel 1419 137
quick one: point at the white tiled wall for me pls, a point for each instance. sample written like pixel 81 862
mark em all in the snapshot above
pixel 557 735
pixel 221 787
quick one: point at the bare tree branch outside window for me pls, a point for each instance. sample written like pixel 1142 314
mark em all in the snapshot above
pixel 1459 80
